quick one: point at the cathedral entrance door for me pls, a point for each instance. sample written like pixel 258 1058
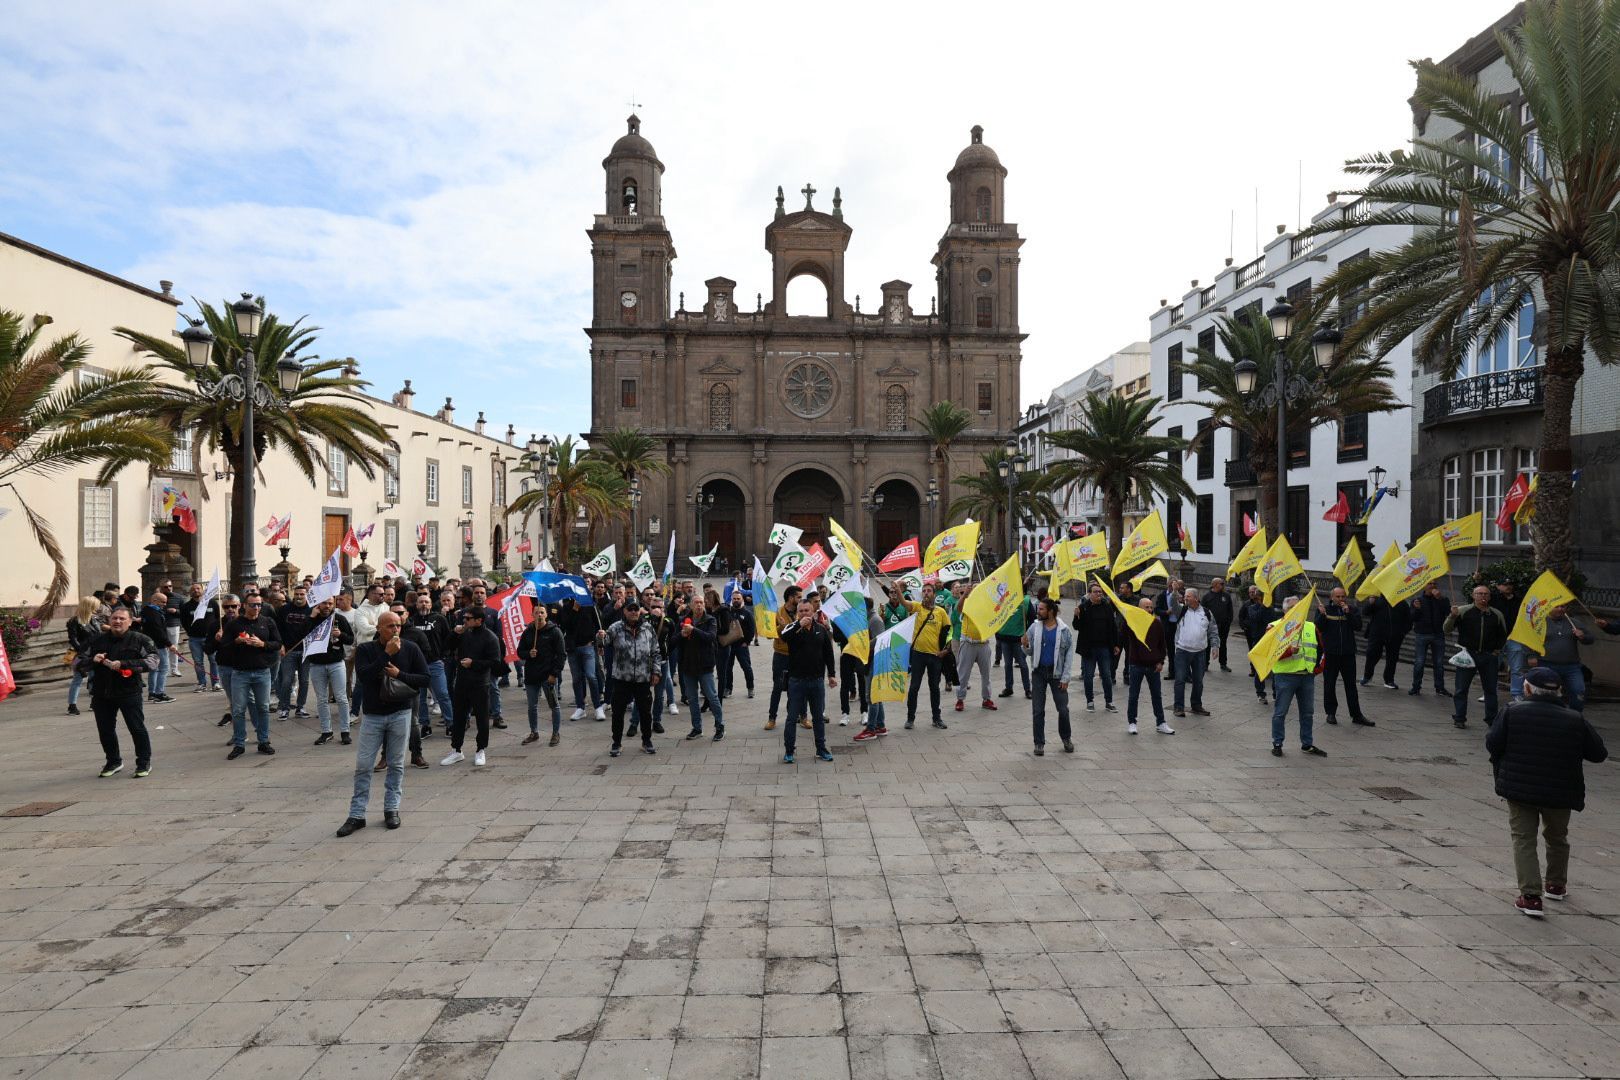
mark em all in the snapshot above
pixel 805 499
pixel 814 527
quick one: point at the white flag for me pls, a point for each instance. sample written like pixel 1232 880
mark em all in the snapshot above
pixel 702 561
pixel 788 562
pixel 641 574
pixel 956 570
pixel 785 535
pixel 838 576
pixel 911 584
pixel 318 640
pixel 419 568
pixel 330 581
pixel 546 567
pixel 605 562
pixel 669 560
pixel 207 597
pixel 393 569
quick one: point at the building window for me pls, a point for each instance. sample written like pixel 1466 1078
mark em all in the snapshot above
pixel 895 412
pixel 1204 530
pixel 1354 301
pixel 1514 346
pixel 1485 489
pixel 1353 437
pixel 1451 489
pixel 1173 388
pixel 432 482
pixel 986 397
pixel 96 515
pixel 497 482
pixel 1299 449
pixel 1172 523
pixel 1173 456
pixel 432 553
pixel 1299 520
pixel 720 407
pixel 981 204
pixel 337 470
pixel 1529 462
pixel 391 476
pixel 466 485
pixel 1355 495
pixel 183 458
pixel 627 394
pixel 1206 450
pixel 1248 314
pixel 391 540
pixel 985 312
pixel 1299 295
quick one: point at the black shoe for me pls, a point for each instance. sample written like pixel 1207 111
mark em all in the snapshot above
pixel 391 818
pixel 1334 720
pixel 323 738
pixel 498 723
pixel 1226 669
pixel 226 719
pixel 1441 691
pixel 1414 692
pixel 940 724
pixel 1276 750
pixel 1005 693
pixel 266 749
pixel 1262 699
pixel 1363 721
pixel 236 752
pixel 344 737
pixel 73 710
pixel 648 748
pixel 1460 724
pixel 613 751
pixel 1364 682
pixel 1027 696
pixel 1313 751
pixel 910 724
pixel 658 729
pixel 1040 751
pixel 695 733
pixel 351 825
pixel 1068 747
pixel 719 733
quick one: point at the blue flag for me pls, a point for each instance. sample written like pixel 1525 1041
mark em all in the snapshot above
pixel 555 588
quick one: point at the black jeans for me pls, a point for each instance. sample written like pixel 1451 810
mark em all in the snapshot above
pixel 947 666
pixel 779 678
pixel 1341 667
pixel 472 695
pixel 1011 651
pixel 852 676
pixel 1223 629
pixel 738 655
pixel 923 664
pixel 106 711
pixel 1390 652
pixel 624 692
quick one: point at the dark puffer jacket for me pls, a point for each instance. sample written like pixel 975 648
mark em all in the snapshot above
pixel 1536 750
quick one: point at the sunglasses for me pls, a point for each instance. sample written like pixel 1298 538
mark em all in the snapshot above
pixel 253 603
pixel 231 607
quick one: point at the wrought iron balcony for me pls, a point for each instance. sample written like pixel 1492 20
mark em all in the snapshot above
pixel 1462 398
pixel 1240 474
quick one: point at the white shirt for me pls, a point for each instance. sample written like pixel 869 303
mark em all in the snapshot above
pixel 364 621
pixel 1192 630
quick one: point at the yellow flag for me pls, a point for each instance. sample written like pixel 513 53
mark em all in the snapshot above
pixel 957 542
pixel 1281 634
pixel 1350 565
pixel 842 539
pixel 1072 559
pixel 1369 585
pixel 1254 549
pixel 995 599
pixel 1464 532
pixel 1278 566
pixel 1144 542
pixel 1156 570
pixel 1527 509
pixel 1420 564
pixel 1138 620
pixel 1531 625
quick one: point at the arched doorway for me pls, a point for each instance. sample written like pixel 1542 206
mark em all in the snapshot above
pixel 724 524
pixel 496 540
pixel 805 499
pixel 900 516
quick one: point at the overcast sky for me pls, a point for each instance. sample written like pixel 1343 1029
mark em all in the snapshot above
pixel 417 178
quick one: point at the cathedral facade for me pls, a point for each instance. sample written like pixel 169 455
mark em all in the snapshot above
pixel 767 416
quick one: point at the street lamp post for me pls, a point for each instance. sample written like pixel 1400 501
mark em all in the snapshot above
pixel 872 502
pixel 635 516
pixel 1284 389
pixel 933 500
pixel 1010 465
pixel 701 504
pixel 541 459
pixel 242 385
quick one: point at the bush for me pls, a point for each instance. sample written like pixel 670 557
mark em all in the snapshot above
pixel 1523 574
pixel 15 630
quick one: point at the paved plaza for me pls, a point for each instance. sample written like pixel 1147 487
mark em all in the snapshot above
pixel 933 904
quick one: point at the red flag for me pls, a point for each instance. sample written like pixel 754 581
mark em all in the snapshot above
pixel 906 556
pixel 351 545
pixel 1340 511
pixel 277 530
pixel 187 518
pixel 506 547
pixel 514 610
pixel 8 681
pixel 812 566
pixel 524 546
pixel 1181 534
pixel 1515 499
pixel 1249 527
pixel 1046 543
pixel 421 533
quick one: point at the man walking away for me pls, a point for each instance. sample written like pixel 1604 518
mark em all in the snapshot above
pixel 1097 637
pixel 1218 602
pixel 385 720
pixel 1195 637
pixel 155 628
pixel 810 655
pixel 1144 660
pixel 1010 649
pixel 1480 630
pixel 116 660
pixel 1536 749
pixel 637 663
pixel 479 653
pixel 1051 647
pixel 1429 612
pixel 1253 619
pixel 1337 623
pixel 1293 678
pixel 542 654
pixel 249 646
pixel 971 652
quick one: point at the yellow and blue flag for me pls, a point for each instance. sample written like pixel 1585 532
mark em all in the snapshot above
pixel 765 602
pixel 847 611
pixel 995 599
pixel 891 660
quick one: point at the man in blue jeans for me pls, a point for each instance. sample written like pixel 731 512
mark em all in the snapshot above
pixel 1429 613
pixel 249 645
pixel 699 635
pixel 384 724
pixel 435 630
pixel 1194 636
pixel 1050 645
pixel 809 656
pixel 1561 653
pixel 1097 638
pixel 581 626
pixel 1482 632
pixel 1293 678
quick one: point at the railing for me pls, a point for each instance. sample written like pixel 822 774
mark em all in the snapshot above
pixel 1178 312
pixel 1240 474
pixel 1206 297
pixel 1300 246
pixel 1249 273
pixel 1359 211
pixel 1492 390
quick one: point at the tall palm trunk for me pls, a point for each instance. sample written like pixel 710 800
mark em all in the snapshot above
pixel 241 527
pixel 1114 520
pixel 1265 470
pixel 1554 548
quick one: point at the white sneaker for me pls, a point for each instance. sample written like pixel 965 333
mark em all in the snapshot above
pixel 453 757
pixel 600 715
pixel 478 758
pixel 843 721
pixel 579 714
pixel 674 708
pixel 1166 729
pixel 1130 729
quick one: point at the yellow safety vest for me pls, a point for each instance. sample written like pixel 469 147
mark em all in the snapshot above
pixel 1302 662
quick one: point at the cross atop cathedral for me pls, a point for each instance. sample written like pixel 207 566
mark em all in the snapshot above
pixel 808 192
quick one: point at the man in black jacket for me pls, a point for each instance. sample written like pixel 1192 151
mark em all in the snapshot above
pixel 1536 749
pixel 582 624
pixel 154 626
pixel 699 633
pixel 737 653
pixel 384 722
pixel 436 633
pixel 328 673
pixel 1253 619
pixel 202 664
pixel 1337 623
pixel 478 656
pixel 1218 602
pixel 116 660
pixel 1479 630
pixel 1387 625
pixel 294 620
pixel 1097 638
pixel 250 645
pixel 1429 612
pixel 810 655
pixel 543 653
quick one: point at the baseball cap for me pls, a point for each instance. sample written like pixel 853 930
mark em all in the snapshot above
pixel 632 604
pixel 1543 679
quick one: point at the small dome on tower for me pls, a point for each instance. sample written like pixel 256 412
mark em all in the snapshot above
pixel 631 144
pixel 977 153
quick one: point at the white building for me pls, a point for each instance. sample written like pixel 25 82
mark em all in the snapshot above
pixel 1335 458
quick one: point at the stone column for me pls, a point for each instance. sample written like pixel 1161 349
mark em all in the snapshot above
pixel 857 460
pixel 758 420
pixel 760 500
pixel 679 387
pixel 858 415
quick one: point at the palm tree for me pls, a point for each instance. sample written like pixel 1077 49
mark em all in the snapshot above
pixel 1117 453
pixel 1351 386
pixel 578 480
pixel 1520 210
pixel 942 422
pixel 51 422
pixel 321 408
pixel 631 453
pixel 984 496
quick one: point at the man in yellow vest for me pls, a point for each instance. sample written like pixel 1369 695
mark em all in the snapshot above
pixel 1294 678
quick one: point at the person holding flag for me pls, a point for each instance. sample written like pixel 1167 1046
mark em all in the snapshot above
pixel 1289 653
pixel 1051 649
pixel 1337 624
pixel 930 640
pixel 1481 631
pixel 325 649
pixel 1255 615
pixel 1145 653
pixel 1560 652
pixel 810 656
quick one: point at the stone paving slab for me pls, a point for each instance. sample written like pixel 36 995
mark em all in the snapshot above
pixel 935 904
